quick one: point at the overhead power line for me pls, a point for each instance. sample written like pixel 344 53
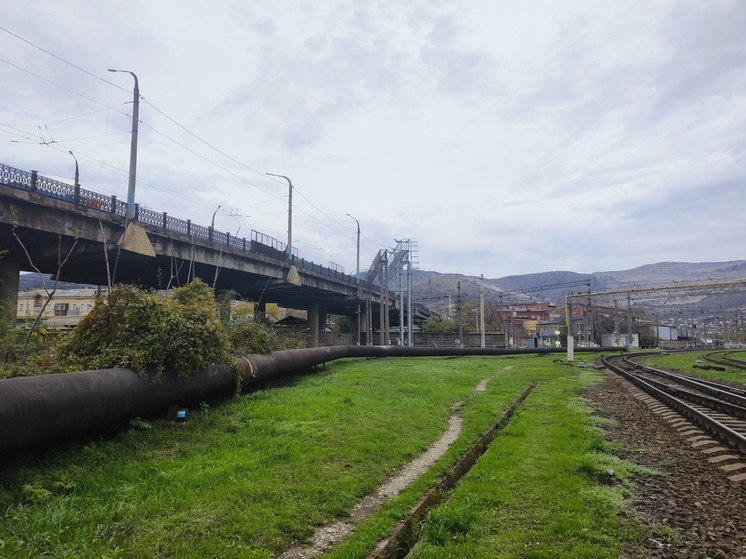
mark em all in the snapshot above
pixel 63 60
pixel 91 99
pixel 162 113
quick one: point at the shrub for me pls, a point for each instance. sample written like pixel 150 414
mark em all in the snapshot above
pixel 251 336
pixel 139 330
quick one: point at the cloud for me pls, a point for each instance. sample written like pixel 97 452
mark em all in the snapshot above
pixel 505 138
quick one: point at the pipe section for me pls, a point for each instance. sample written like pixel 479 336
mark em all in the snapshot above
pixel 49 407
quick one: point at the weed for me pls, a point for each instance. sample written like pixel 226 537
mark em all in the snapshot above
pixel 140 424
pixel 35 493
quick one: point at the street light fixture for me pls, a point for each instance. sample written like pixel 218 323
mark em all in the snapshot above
pixel 290 212
pixel 133 145
pixel 77 178
pixel 211 233
pixel 357 275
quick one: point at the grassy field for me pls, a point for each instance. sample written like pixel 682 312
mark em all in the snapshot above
pixel 684 362
pixel 736 354
pixel 253 477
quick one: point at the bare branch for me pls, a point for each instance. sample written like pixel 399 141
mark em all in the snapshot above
pixel 106 257
pixel 50 294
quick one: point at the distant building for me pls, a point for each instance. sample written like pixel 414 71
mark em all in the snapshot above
pixel 553 333
pixel 619 340
pixel 523 311
pixel 65 309
pixel 666 333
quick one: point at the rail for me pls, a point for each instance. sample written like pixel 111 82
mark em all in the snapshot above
pixel 722 358
pixel 258 243
pixel 702 419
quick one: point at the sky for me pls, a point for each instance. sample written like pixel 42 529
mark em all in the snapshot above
pixel 503 137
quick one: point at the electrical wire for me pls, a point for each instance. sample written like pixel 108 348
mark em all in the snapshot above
pixel 61 120
pixel 190 150
pixel 208 144
pixel 172 120
pixel 63 60
pixel 91 99
pixel 113 108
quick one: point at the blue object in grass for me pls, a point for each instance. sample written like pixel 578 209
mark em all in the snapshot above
pixel 181 416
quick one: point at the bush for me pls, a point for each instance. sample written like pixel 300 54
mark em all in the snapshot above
pixel 251 336
pixel 134 329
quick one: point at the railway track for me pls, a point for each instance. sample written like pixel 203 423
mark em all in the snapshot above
pixel 717 411
pixel 725 358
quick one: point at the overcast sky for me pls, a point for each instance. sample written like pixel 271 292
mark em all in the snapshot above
pixel 504 137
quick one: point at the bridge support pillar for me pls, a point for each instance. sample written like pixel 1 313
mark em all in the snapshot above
pixel 9 272
pixel 355 325
pixel 313 323
pixel 260 311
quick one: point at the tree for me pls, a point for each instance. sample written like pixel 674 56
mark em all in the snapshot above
pixel 342 324
pixel 439 325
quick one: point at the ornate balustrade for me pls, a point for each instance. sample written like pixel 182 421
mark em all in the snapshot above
pixel 258 243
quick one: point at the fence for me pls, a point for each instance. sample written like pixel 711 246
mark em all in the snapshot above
pixel 259 243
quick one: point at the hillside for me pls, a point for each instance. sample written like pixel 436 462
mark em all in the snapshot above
pixel 433 287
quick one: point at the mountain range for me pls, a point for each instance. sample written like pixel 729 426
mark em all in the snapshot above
pixel 434 288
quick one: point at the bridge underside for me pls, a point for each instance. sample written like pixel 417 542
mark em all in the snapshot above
pixel 87 263
pixel 80 244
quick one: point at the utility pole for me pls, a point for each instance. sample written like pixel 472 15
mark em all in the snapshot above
pixel 482 341
pixel 212 223
pixel 460 324
pixel 357 275
pixel 133 145
pixel 386 316
pixel 629 320
pixel 410 321
pixel 77 179
pixel 591 325
pixel 401 307
pixel 290 213
pixel 616 323
pixel 369 315
pixel 570 339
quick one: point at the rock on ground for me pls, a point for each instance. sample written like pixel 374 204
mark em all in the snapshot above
pixel 705 511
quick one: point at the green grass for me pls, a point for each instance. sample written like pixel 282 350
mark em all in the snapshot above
pixel 255 476
pixel 684 363
pixel 546 488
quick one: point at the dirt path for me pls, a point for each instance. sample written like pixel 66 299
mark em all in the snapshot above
pixel 327 536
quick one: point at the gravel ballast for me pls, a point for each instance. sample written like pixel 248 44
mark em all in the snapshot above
pixel 696 510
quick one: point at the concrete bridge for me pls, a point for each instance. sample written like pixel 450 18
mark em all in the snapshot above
pixel 43 220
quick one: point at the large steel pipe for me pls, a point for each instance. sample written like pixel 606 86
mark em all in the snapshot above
pixel 44 408
pixel 48 407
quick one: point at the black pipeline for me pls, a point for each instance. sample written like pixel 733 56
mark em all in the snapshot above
pixel 48 407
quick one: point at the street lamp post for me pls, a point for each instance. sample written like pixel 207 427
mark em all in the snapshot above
pixel 358 248
pixel 77 179
pixel 290 213
pixel 212 223
pixel 357 275
pixel 133 145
